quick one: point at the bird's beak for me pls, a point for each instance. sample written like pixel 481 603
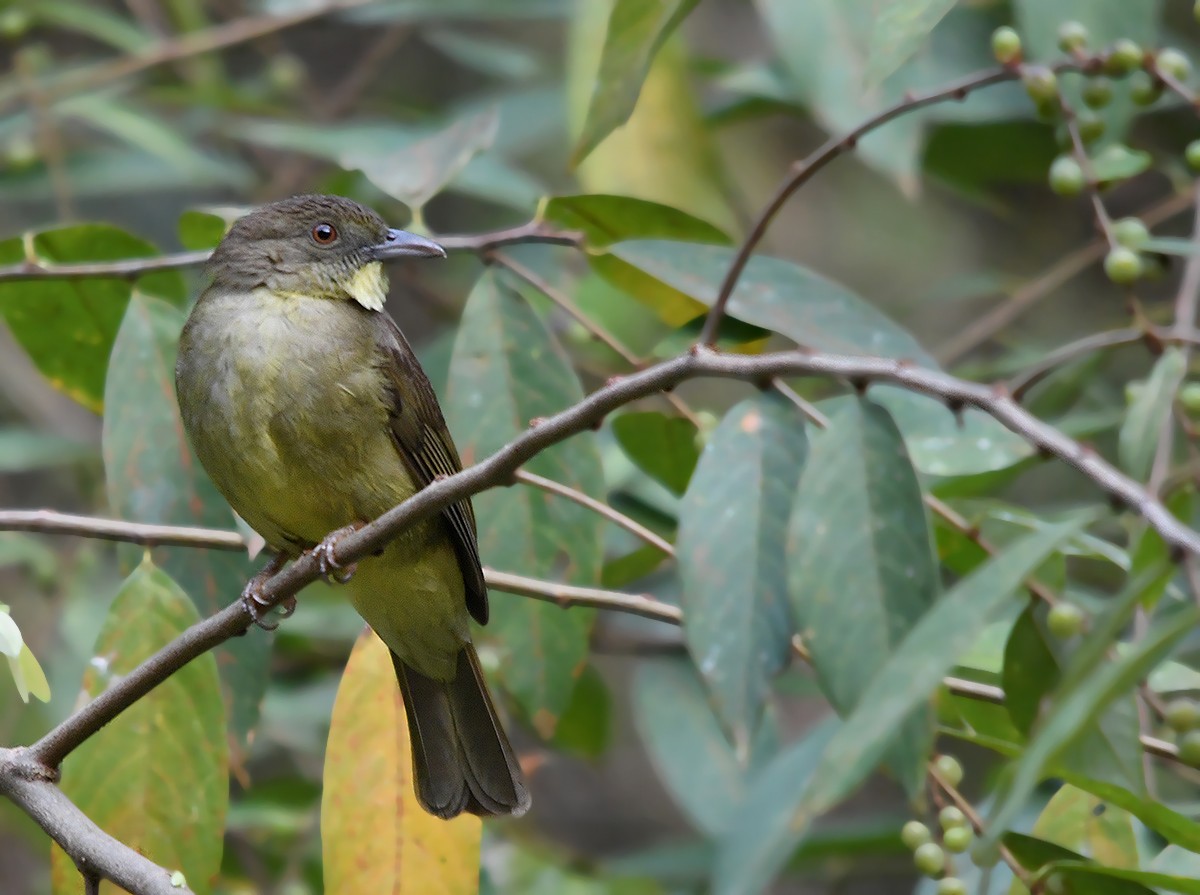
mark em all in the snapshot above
pixel 402 244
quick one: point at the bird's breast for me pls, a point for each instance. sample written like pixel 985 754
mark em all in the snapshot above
pixel 286 410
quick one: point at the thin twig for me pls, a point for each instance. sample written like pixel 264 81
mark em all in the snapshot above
pixel 576 313
pixel 52 522
pixel 1061 271
pixel 810 411
pixel 598 507
pixel 568 595
pixel 968 810
pixel 1072 351
pixel 956 521
pixel 532 232
pixel 1079 150
pixel 218 37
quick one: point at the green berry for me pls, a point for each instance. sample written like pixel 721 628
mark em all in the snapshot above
pixel 1040 83
pixel 286 72
pixel 930 859
pixel 1055 884
pixel 1192 154
pixel 1189 748
pixel 1048 112
pixel 949 769
pixel 1144 89
pixel 1066 177
pixel 1189 397
pixel 1123 266
pixel 1072 36
pixel 1182 715
pixel 1097 92
pixel 1006 45
pixel 914 834
pixel 1131 233
pixel 1091 126
pixel 951 885
pixel 1065 620
pixel 1124 57
pixel 951 817
pixel 958 839
pixel 1174 63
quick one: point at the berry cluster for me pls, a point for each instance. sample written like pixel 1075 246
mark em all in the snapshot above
pixel 1149 74
pixel 933 858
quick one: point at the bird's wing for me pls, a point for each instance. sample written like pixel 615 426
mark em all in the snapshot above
pixel 427 450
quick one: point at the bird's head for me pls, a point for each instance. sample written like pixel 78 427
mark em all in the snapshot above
pixel 314 246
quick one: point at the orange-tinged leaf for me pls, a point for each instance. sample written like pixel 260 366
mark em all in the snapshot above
pixel 157 777
pixel 375 837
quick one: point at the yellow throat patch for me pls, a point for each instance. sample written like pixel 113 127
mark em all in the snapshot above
pixel 368 286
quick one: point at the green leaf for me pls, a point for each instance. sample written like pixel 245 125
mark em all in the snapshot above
pixel 68 326
pixel 28 676
pixel 92 20
pixel 156 777
pixel 1142 430
pixel 1098 878
pixel 760 839
pixel 1172 245
pixel 1090 826
pixel 915 669
pixel 899 30
pixel 586 725
pixel 1079 703
pixel 636 30
pixel 1042 857
pixel 859 527
pixel 686 744
pixel 663 447
pixel 22 450
pixel 153 476
pixel 772 293
pixel 418 171
pixel 1118 162
pixel 605 219
pixel 201 229
pixel 731 551
pixel 507 370
pixel 1033 658
pixel 1169 824
pixel 488 55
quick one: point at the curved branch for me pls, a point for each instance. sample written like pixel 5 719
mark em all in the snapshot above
pixel 598 507
pixel 95 853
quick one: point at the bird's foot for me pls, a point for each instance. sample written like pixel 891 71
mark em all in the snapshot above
pixel 256 603
pixel 331 570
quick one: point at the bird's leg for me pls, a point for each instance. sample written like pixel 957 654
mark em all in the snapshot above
pixel 252 596
pixel 331 570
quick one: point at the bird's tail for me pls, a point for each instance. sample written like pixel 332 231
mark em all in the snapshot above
pixel 462 760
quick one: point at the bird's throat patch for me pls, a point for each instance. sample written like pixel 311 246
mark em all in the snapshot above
pixel 368 286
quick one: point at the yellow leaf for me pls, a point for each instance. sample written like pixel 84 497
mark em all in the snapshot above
pixel 375 837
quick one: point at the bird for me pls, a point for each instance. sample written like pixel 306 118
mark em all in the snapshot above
pixel 311 414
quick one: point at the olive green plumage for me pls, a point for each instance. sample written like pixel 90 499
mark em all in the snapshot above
pixel 309 410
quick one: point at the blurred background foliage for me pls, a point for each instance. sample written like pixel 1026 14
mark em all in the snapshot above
pixel 160 118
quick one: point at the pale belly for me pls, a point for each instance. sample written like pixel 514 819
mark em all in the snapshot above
pixel 293 430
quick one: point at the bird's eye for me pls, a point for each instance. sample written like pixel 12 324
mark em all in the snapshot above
pixel 325 234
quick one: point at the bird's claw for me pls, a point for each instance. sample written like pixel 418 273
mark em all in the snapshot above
pixel 256 603
pixel 330 569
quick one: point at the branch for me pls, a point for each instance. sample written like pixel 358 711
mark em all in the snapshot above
pixel 598 507
pixel 219 37
pixel 803 170
pixel 94 852
pixel 499 468
pixel 568 595
pixel 52 522
pixel 128 268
